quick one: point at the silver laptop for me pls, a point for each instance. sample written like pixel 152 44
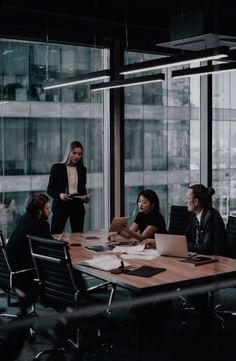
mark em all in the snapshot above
pixel 171 245
pixel 118 223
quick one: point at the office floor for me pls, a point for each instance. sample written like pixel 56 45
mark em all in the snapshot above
pixel 162 337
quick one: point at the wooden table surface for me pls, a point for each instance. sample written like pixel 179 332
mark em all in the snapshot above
pixel 177 274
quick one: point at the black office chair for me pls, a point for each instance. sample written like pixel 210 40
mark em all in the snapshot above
pixel 179 219
pixel 61 286
pixel 231 236
pixel 10 283
pixel 224 300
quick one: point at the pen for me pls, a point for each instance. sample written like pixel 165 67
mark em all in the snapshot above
pixel 122 266
pixel 192 255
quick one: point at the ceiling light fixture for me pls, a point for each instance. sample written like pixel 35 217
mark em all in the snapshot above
pixel 82 78
pixel 166 62
pixel 204 70
pixel 128 82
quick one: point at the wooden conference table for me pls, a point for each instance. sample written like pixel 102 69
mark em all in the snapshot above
pixel 177 274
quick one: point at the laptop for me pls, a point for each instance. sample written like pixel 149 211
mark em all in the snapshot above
pixel 118 223
pixel 171 245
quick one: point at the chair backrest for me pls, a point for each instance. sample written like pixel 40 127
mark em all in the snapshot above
pixel 58 286
pixel 179 219
pixel 5 269
pixel 2 239
pixel 231 236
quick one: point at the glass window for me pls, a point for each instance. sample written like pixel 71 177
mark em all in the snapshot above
pixel 36 125
pixel 162 143
pixel 224 143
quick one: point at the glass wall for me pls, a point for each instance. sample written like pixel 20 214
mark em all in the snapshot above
pixel 224 143
pixel 162 138
pixel 37 124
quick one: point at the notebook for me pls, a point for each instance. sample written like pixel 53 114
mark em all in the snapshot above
pixel 171 245
pixel 145 271
pixel 199 260
pixel 118 223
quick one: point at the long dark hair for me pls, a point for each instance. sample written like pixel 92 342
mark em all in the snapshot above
pixel 152 197
pixel 69 149
pixel 203 194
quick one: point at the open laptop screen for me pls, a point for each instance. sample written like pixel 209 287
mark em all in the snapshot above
pixel 171 245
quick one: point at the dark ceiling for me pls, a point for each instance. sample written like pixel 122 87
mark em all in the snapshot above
pixel 139 24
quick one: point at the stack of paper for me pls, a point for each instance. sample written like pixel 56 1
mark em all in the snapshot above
pixel 105 263
pixel 129 249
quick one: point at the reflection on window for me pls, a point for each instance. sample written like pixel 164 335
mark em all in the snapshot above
pixel 36 125
pixel 161 152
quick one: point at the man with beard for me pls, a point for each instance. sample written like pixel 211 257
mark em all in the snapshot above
pixel 33 222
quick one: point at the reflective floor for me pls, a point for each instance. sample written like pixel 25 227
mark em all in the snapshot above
pixel 137 334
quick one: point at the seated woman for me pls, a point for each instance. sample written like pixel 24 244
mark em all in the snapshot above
pixel 149 220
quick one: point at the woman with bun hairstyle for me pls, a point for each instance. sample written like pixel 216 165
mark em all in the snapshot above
pixel 206 231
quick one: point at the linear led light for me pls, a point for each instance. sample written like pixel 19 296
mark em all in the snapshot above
pixel 3 102
pixel 201 55
pixel 204 70
pixel 128 82
pixel 82 78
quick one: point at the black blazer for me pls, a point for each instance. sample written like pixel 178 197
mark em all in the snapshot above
pixel 18 248
pixel 212 236
pixel 58 182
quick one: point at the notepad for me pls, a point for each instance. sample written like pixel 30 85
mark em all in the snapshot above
pixel 145 271
pixel 199 260
pixel 104 263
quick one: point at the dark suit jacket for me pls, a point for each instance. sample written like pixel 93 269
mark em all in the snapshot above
pixel 212 236
pixel 58 183
pixel 18 248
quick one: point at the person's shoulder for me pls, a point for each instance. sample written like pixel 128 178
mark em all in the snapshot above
pixel 81 167
pixel 212 213
pixel 58 165
pixel 157 214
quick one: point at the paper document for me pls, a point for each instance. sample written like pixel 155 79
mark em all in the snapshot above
pixel 129 249
pixel 147 254
pixel 105 263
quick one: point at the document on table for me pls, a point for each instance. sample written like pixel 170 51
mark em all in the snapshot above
pixel 147 254
pixel 136 252
pixel 129 249
pixel 104 263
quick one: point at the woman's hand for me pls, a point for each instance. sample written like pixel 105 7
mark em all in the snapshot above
pixel 112 237
pixel 124 232
pixel 149 243
pixel 65 197
pixel 85 198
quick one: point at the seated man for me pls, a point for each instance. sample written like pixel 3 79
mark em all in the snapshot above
pixel 206 231
pixel 33 222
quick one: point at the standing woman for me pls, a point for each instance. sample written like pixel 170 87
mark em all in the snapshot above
pixel 67 187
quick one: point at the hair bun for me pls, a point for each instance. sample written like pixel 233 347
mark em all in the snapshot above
pixel 211 191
